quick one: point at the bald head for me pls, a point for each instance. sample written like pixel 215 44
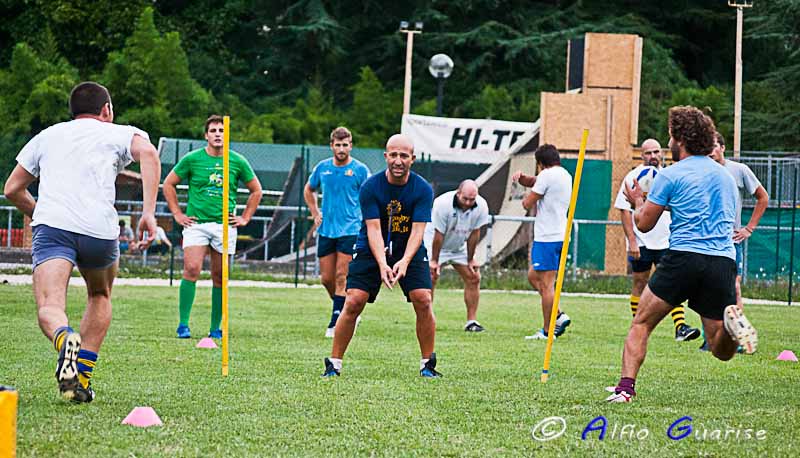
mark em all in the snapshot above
pixel 399 157
pixel 466 194
pixel 399 141
pixel 468 186
pixel 651 152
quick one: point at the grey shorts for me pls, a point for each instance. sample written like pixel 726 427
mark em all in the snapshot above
pixel 84 251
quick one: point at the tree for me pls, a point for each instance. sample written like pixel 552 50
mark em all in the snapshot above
pixel 35 95
pixel 151 86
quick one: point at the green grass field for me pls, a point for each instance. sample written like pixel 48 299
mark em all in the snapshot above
pixel 275 403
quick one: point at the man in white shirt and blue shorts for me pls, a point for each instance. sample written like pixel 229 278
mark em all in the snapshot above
pixel 550 196
pixel 452 235
pixel 75 223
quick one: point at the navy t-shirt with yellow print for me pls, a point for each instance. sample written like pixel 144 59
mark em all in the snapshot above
pixel 396 206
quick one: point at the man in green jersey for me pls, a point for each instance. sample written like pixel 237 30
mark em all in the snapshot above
pixel 202 221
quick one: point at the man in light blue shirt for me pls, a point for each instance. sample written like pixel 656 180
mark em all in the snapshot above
pixel 339 178
pixel 699 265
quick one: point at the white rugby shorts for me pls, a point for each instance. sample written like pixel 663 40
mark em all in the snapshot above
pixel 204 234
pixel 455 257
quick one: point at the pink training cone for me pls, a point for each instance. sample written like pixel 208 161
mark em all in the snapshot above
pixel 206 342
pixel 142 417
pixel 787 355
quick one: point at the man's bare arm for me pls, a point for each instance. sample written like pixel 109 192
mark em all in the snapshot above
pixel 16 190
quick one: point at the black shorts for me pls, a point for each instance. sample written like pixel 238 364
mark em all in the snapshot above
pixel 364 274
pixel 647 259
pixel 708 282
pixel 327 245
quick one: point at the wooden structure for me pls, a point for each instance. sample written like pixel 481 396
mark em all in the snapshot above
pixel 603 78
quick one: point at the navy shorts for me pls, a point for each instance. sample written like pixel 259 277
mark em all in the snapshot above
pixel 84 251
pixel 546 255
pixel 327 245
pixel 363 274
pixel 708 282
pixel 647 259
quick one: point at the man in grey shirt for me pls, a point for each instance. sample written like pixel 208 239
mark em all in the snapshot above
pixel 747 182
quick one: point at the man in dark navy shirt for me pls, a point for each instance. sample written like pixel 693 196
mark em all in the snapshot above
pixel 396 205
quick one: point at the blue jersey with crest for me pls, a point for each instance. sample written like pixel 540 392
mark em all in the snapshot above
pixel 341 213
pixel 397 207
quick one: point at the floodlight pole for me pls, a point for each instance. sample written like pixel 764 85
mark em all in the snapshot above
pixel 439 93
pixel 409 52
pixel 737 100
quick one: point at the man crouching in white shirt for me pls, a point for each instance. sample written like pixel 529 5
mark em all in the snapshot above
pixel 452 235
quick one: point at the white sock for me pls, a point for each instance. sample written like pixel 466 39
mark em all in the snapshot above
pixel 422 363
pixel 337 363
pixel 469 322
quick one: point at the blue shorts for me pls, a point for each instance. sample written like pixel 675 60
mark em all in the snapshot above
pixel 327 245
pixel 84 251
pixel 546 255
pixel 739 258
pixel 363 274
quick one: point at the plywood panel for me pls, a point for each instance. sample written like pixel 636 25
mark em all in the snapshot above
pixel 609 60
pixel 637 79
pixel 564 116
pixel 620 119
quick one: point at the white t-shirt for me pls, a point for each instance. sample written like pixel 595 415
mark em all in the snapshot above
pixel 77 163
pixel 555 184
pixel 454 223
pixel 658 237
pixel 746 181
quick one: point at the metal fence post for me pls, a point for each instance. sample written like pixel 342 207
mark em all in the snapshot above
pixel 8 234
pixel 575 229
pixel 266 242
pixel 791 244
pixel 744 261
pixel 489 239
pixel 778 229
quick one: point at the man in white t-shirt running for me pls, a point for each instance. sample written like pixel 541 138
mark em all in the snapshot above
pixel 452 235
pixel 552 189
pixel 645 249
pixel 75 222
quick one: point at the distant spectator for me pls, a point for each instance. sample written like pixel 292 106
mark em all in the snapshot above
pixel 126 238
pixel 162 244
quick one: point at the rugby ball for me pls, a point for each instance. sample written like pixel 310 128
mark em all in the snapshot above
pixel 645 178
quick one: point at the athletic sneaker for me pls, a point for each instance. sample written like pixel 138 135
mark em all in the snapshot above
pixel 330 371
pixel 84 394
pixel 540 334
pixel 562 321
pixel 67 368
pixel 215 334
pixel 474 326
pixel 429 370
pixel 621 396
pixel 685 333
pixel 704 347
pixel 183 332
pixel 740 329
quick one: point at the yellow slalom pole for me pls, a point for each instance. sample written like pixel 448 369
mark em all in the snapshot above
pixel 562 264
pixel 226 190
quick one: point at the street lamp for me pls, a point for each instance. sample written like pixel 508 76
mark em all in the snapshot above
pixel 737 98
pixel 441 66
pixel 409 51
